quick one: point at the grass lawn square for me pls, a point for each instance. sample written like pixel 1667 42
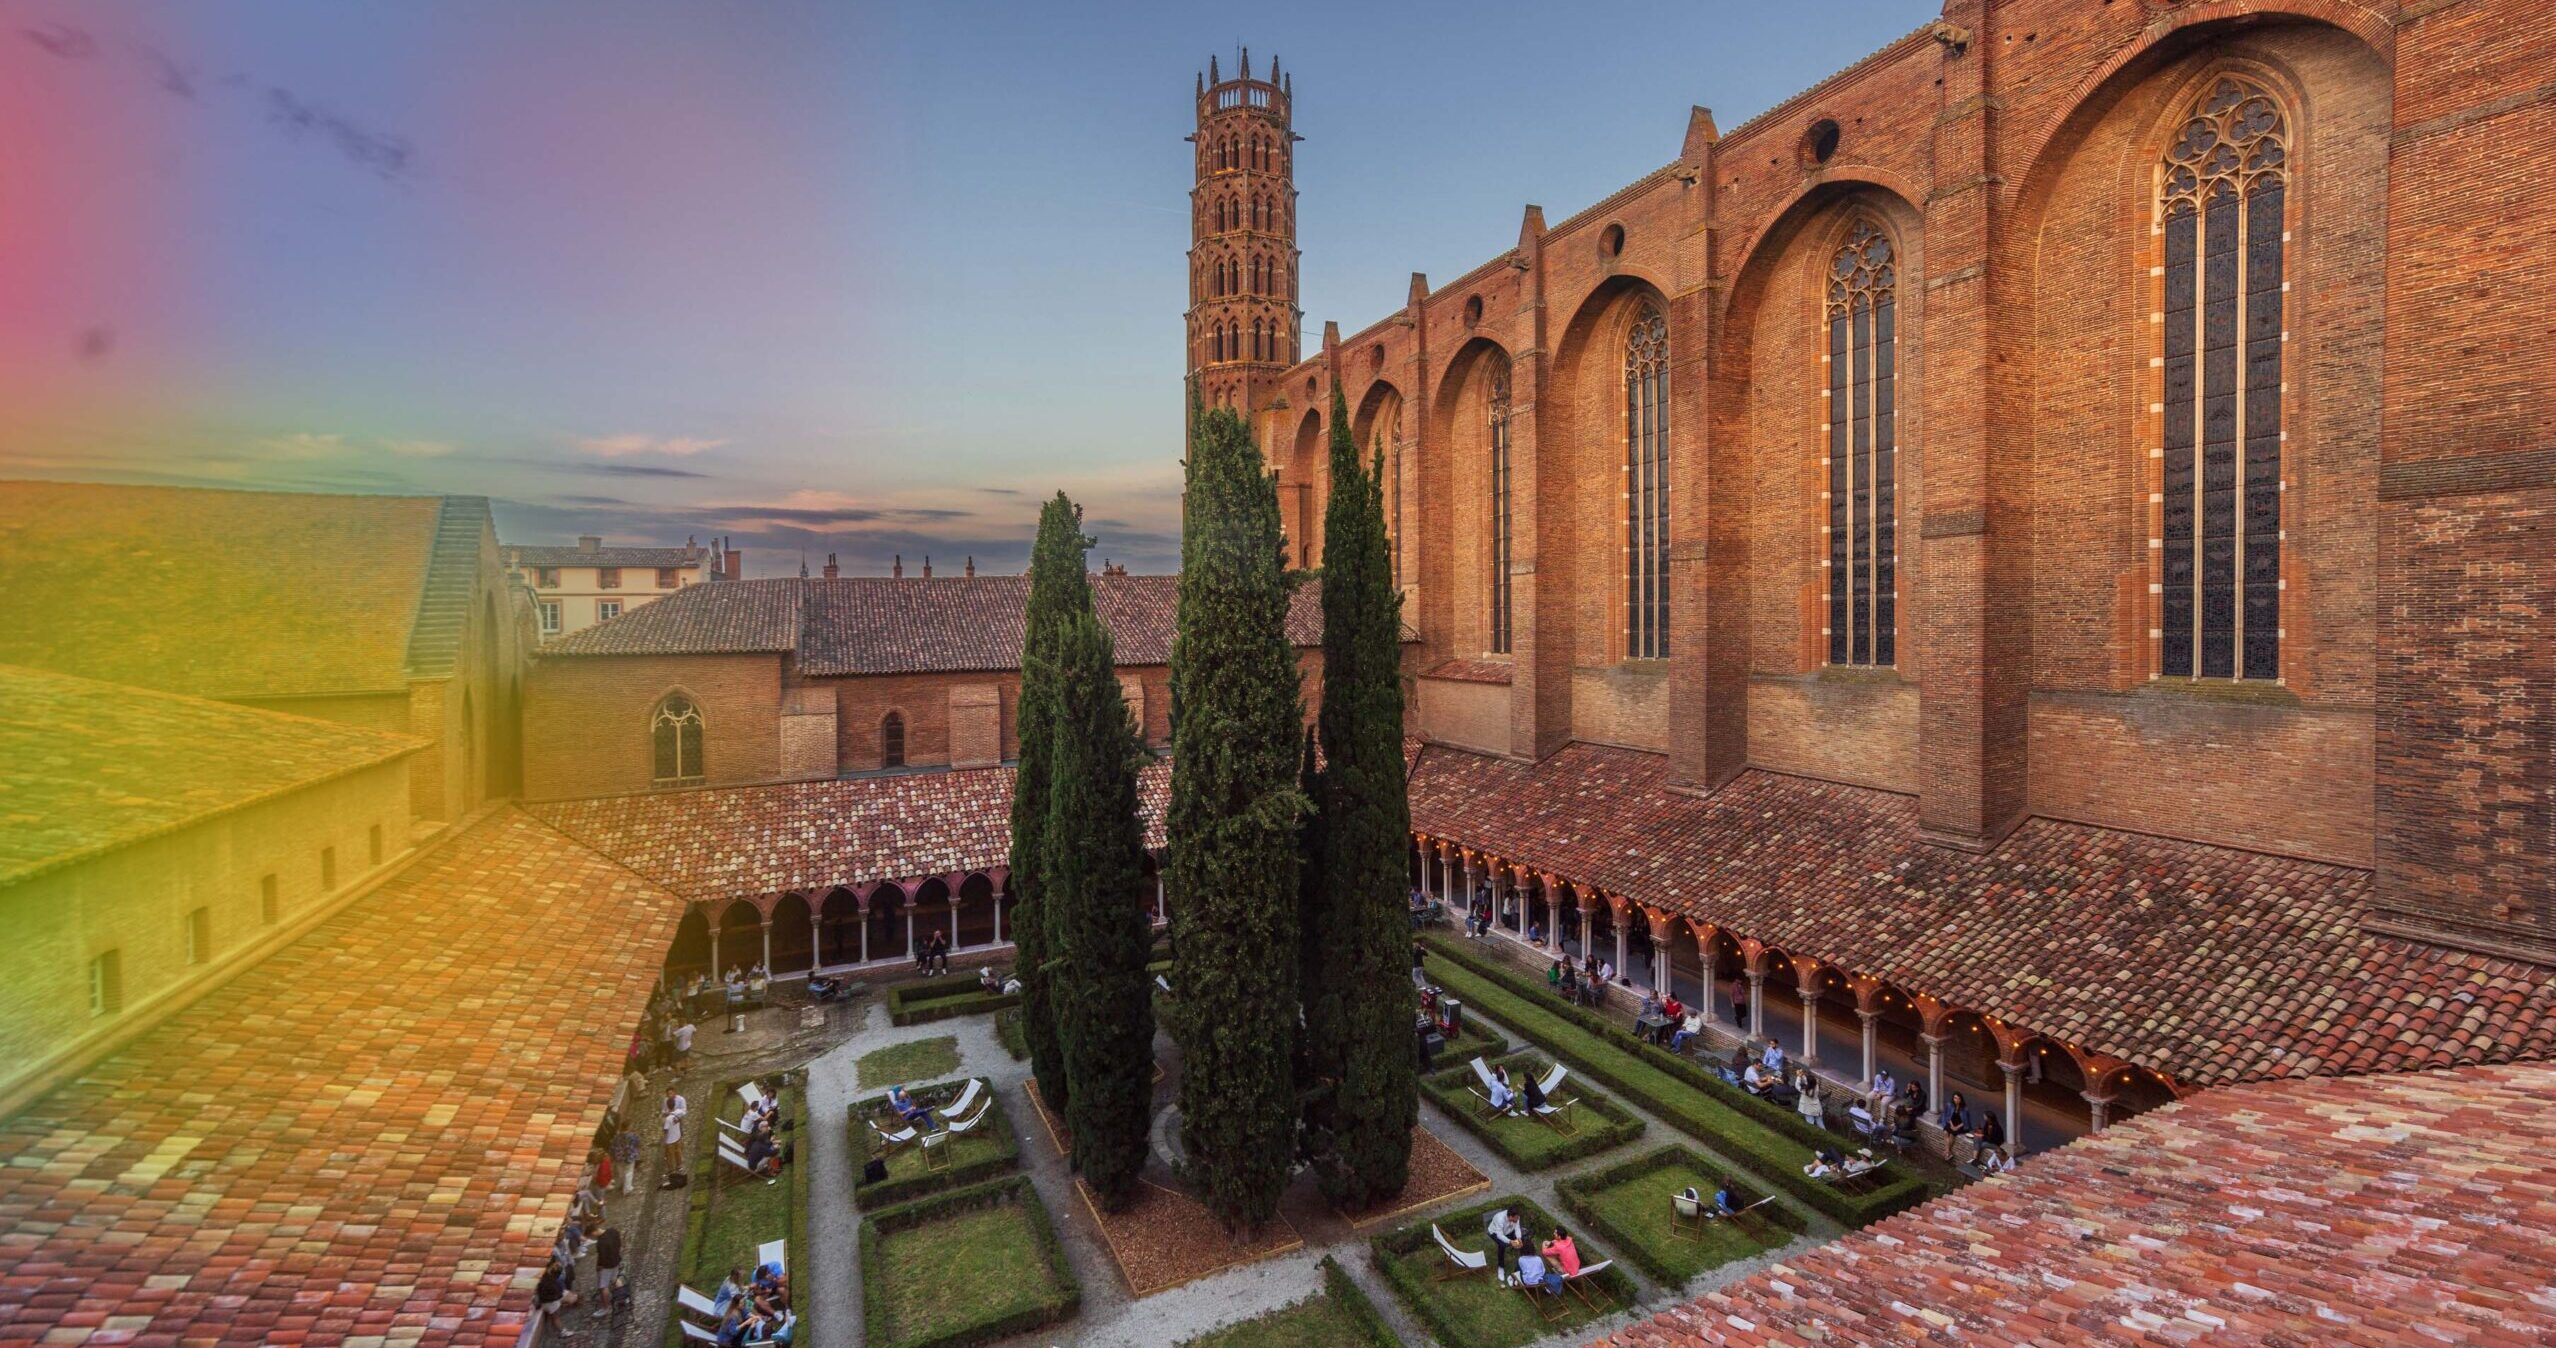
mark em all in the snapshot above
pixel 732 1215
pixel 987 1150
pixel 966 1266
pixel 1339 1316
pixel 1598 1123
pixel 1474 1310
pixel 1627 1205
pixel 905 1064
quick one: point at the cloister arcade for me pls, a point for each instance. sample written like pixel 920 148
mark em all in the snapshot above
pixel 1843 1024
pixel 846 926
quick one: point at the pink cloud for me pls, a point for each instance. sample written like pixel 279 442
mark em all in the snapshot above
pixel 625 446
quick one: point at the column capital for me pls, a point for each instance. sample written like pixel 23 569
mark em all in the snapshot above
pixel 2011 1069
pixel 1868 1014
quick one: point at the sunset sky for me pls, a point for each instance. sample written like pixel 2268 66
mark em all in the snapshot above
pixel 855 277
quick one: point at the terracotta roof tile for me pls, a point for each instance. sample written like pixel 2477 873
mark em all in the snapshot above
pixel 2407 1208
pixel 815 835
pixel 215 593
pixel 85 766
pixel 881 625
pixel 2207 963
pixel 374 1130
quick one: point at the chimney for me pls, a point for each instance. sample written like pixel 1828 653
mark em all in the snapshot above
pixel 803 566
pixel 927 566
pixel 588 542
pixel 736 562
pixel 898 570
pixel 831 570
pixel 971 566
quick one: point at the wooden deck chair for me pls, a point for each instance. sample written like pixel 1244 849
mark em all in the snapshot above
pixel 1551 1306
pixel 1459 1262
pixel 735 1155
pixel 1552 1083
pixel 1578 1284
pixel 966 1097
pixel 693 1333
pixel 1482 1073
pixel 956 1125
pixel 1748 1217
pixel 889 1142
pixel 773 1252
pixel 936 1151
pixel 1558 1117
pixel 749 1092
pixel 696 1304
pixel 1686 1217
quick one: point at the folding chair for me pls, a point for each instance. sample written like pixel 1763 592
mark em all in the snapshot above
pixel 957 1125
pixel 1749 1217
pixel 773 1252
pixel 696 1304
pixel 751 1093
pixel 1552 1083
pixel 1551 1306
pixel 1558 1117
pixel 936 1151
pixel 1459 1262
pixel 1578 1284
pixel 967 1097
pixel 1686 1217
pixel 889 1142
pixel 734 1155
pixel 693 1333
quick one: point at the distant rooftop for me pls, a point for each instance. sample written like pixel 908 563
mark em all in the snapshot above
pixel 591 550
pixel 88 766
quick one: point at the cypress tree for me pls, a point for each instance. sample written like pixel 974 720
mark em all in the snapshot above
pixel 1359 1002
pixel 1093 886
pixel 1232 822
pixel 1059 591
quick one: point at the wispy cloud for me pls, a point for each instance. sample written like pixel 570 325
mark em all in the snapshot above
pixel 626 446
pixel 420 449
pixel 304 445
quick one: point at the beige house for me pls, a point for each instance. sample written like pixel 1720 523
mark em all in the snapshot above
pixel 575 588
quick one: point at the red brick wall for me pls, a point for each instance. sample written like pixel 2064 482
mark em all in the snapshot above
pixel 586 721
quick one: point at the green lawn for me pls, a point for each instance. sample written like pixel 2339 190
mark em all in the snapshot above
pixel 1317 1322
pixel 1627 1205
pixel 1474 1311
pixel 731 1214
pixel 959 1270
pixel 1771 1143
pixel 906 1064
pixel 1527 1143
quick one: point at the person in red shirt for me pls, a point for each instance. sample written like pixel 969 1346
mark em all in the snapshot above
pixel 1562 1254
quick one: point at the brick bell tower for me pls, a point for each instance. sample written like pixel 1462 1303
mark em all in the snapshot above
pixel 1243 319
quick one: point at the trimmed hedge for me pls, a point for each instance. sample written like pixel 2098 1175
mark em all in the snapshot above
pixel 1352 1298
pixel 1577 1191
pixel 921 1000
pixel 1611 1126
pixel 1015 1189
pixel 1464 1227
pixel 1767 1139
pixel 997 1129
pixel 1012 1033
pixel 712 1178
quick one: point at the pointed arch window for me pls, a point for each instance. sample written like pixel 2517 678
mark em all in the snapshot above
pixel 1387 446
pixel 675 736
pixel 1646 488
pixel 1499 428
pixel 1862 395
pixel 2221 213
pixel 892 740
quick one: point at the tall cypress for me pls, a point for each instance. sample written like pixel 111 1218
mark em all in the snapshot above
pixel 1094 894
pixel 1359 1002
pixel 1059 591
pixel 1232 821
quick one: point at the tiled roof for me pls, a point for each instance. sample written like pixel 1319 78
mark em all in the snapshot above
pixel 2396 1209
pixel 215 593
pixel 540 555
pixel 885 625
pixel 86 766
pixel 804 836
pixel 728 618
pixel 2207 963
pixel 369 1136
pixel 1472 671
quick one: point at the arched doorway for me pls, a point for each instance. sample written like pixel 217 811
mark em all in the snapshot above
pixel 690 953
pixel 793 936
pixel 839 928
pixel 740 936
pixel 887 923
pixel 976 910
pixel 932 913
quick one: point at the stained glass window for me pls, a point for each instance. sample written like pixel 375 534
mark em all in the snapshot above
pixel 1499 418
pixel 676 733
pixel 1863 357
pixel 1646 488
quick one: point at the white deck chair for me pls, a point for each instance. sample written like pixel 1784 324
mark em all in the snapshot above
pixel 1482 1071
pixel 967 1097
pixel 891 1141
pixel 1163 983
pixel 1579 1282
pixel 696 1303
pixel 1459 1262
pixel 773 1252
pixel 735 1155
pixel 957 1125
pixel 749 1092
pixel 1557 1118
pixel 1552 1083
pixel 693 1333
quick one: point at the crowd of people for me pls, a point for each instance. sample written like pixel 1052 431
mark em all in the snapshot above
pixel 1583 983
pixel 1521 1261
pixel 754 1309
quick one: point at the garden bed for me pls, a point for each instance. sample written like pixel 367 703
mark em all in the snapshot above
pixel 983 1152
pixel 1164 1239
pixel 915 1060
pixel 1527 1143
pixel 920 1000
pixel 1437 1174
pixel 1627 1205
pixel 965 1266
pixel 1771 1142
pixel 1473 1310
pixel 731 1214
pixel 1338 1316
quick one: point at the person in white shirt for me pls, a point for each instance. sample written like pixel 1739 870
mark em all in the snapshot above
pixel 1502 1098
pixel 683 1042
pixel 675 1110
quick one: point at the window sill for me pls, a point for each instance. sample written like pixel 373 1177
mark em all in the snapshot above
pixel 2242 692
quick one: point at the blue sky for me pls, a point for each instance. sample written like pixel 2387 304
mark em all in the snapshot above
pixel 851 277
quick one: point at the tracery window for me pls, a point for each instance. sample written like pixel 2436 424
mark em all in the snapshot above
pixel 1863 351
pixel 1646 488
pixel 1499 419
pixel 2221 210
pixel 1388 447
pixel 675 733
pixel 892 740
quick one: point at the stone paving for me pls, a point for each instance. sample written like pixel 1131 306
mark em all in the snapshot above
pixel 830 1273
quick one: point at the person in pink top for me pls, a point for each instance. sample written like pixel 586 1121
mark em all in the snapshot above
pixel 1562 1254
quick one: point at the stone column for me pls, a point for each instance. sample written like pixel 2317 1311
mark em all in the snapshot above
pixel 908 906
pixel 1872 1023
pixel 1587 906
pixel 767 943
pixel 1810 1026
pixel 2099 1108
pixel 1704 974
pixel 1623 946
pixel 1552 918
pixel 1663 967
pixel 1162 899
pixel 1935 1077
pixel 1757 1002
pixel 1000 936
pixel 715 924
pixel 2014 1107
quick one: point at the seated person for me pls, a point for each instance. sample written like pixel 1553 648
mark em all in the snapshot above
pixel 1672 1008
pixel 1914 1093
pixel 1994 1161
pixel 1531 1093
pixel 1821 1167
pixel 1011 987
pixel 1535 933
pixel 1990 1134
pixel 1503 1100
pixel 731 1289
pixel 1553 976
pixel 1650 1008
pixel 1508 1244
pixel 1686 1029
pixel 906 1108
pixel 1562 1254
pixel 1726 1199
pixel 1956 1121
pixel 987 979
pixel 1773 1057
pixel 1758 1080
pixel 733 1326
pixel 762 1158
pixel 1532 1273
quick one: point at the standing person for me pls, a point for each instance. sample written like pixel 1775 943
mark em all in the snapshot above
pixel 554 1294
pixel 675 1110
pixel 681 1037
pixel 607 1241
pixel 1812 1111
pixel 625 1157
